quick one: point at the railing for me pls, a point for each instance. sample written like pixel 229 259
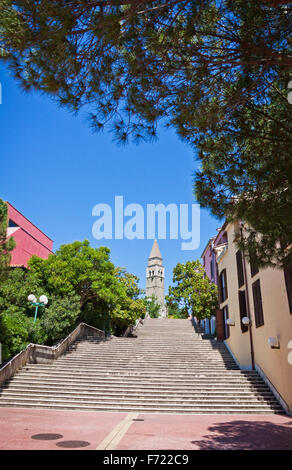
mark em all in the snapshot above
pixel 132 328
pixel 14 364
pixel 37 353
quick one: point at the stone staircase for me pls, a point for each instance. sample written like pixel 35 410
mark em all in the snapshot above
pixel 168 368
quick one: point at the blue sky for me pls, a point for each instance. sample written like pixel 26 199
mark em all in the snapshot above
pixel 55 170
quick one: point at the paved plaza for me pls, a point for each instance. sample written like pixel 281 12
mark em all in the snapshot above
pixel 35 429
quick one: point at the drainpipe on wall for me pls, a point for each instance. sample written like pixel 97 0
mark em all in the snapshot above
pixel 219 314
pixel 247 305
pixel 214 268
pixel 214 264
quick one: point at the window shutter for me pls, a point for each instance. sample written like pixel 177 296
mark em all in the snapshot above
pixel 257 302
pixel 242 309
pixel 239 268
pixel 219 325
pixel 226 327
pixel 254 269
pixel 225 283
pixel 212 269
pixel 288 282
pixel 220 289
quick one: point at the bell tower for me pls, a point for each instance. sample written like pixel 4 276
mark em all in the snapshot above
pixel 155 277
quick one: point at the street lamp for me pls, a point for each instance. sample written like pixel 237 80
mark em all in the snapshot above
pixel 43 300
pixel 274 342
pixel 246 321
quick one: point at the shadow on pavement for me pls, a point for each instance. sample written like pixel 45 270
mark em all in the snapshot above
pixel 247 435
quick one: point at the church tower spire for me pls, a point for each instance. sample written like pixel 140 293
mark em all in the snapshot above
pixel 155 277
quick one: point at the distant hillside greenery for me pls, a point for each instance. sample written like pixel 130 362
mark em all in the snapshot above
pixel 82 285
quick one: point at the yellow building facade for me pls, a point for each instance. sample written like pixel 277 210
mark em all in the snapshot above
pixel 261 295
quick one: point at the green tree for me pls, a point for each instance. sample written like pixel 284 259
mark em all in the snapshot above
pixel 17 329
pixel 59 318
pixel 108 295
pixel 81 284
pixel 128 304
pixel 76 267
pixel 246 170
pixel 129 282
pixel 152 306
pixel 216 71
pixel 192 291
pixel 174 311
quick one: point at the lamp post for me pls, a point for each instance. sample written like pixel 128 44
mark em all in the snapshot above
pixel 274 342
pixel 247 320
pixel 43 300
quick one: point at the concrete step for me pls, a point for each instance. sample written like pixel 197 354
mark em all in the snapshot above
pixel 143 364
pixel 120 384
pixel 168 368
pixel 176 411
pixel 128 380
pixel 144 387
pixel 144 360
pixel 227 375
pixel 135 399
pixel 144 368
pixel 131 375
pixel 151 348
pixel 176 368
pixel 162 360
pixel 90 370
pixel 190 356
pixel 190 352
pixel 150 408
pixel 118 391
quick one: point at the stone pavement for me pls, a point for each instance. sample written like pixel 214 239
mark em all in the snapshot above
pixel 35 429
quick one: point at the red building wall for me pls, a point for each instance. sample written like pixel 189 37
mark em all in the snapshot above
pixel 29 239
